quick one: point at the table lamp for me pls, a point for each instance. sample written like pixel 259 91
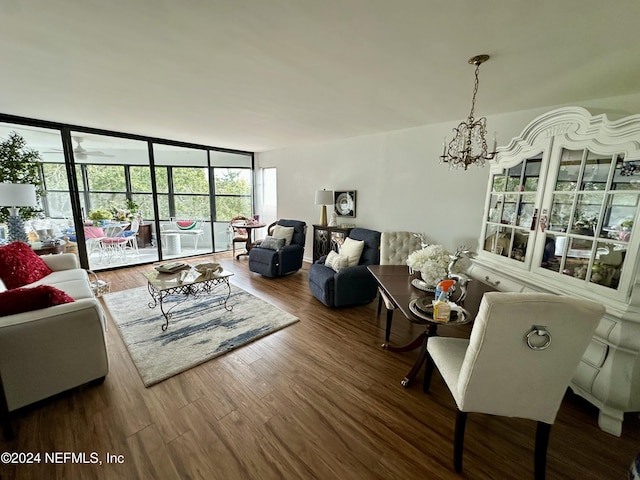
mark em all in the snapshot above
pixel 324 198
pixel 16 195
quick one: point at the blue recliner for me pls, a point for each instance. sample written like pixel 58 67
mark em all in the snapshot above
pixel 286 259
pixel 351 285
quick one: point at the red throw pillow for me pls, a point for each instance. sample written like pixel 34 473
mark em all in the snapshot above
pixel 20 265
pixel 21 300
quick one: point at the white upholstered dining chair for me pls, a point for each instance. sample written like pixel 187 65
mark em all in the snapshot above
pixel 395 247
pixel 518 362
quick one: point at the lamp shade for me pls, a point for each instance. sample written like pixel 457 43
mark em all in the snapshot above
pixel 324 197
pixel 17 195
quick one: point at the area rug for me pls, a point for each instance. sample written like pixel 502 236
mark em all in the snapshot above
pixel 198 331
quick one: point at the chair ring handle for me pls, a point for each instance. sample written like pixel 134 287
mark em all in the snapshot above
pixel 539 332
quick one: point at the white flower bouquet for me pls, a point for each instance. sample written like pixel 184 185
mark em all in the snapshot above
pixel 432 262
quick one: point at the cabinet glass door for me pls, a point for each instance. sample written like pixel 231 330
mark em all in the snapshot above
pixel 593 207
pixel 512 213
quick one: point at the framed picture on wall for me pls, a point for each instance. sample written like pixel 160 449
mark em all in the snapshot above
pixel 345 203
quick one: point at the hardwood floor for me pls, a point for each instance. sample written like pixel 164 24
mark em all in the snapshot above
pixel 317 400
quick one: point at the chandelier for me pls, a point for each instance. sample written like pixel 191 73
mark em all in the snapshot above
pixel 469 144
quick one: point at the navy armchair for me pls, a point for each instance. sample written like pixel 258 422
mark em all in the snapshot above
pixel 351 285
pixel 284 259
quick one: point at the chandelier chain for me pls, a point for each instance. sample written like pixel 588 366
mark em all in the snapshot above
pixel 475 92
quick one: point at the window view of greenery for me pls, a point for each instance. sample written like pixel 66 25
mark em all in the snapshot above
pixel 233 193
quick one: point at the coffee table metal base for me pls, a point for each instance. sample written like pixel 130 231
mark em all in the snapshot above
pixel 186 291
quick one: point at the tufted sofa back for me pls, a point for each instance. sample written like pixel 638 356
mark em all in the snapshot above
pixel 395 247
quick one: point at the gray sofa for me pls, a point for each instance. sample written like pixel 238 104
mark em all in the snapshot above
pixel 47 351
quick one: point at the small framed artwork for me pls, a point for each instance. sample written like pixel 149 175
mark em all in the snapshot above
pixel 345 203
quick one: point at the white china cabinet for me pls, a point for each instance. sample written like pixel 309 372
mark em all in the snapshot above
pixel 561 215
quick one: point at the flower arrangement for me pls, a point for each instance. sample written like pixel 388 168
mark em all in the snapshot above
pixel 122 214
pixel 432 262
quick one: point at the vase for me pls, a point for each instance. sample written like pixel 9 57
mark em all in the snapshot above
pixel 429 281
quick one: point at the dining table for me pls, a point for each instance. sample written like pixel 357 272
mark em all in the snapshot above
pixel 399 286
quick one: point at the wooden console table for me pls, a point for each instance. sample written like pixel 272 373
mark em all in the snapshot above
pixel 326 239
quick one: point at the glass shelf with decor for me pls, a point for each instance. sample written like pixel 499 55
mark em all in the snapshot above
pixel 512 211
pixel 581 174
pixel 591 217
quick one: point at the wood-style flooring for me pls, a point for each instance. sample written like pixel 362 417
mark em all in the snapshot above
pixel 317 400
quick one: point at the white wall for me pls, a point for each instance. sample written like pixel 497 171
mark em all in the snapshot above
pixel 400 184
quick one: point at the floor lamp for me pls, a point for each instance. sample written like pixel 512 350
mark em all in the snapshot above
pixel 324 198
pixel 16 195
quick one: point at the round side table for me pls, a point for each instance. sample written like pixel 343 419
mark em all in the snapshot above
pixel 41 249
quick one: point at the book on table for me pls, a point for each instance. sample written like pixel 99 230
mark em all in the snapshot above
pixel 172 267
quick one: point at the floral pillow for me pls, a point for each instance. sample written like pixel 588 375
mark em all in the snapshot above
pixel 20 265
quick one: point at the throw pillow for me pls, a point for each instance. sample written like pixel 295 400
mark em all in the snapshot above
pixel 352 249
pixel 20 265
pixel 273 243
pixel 283 232
pixel 186 224
pixel 335 261
pixel 21 300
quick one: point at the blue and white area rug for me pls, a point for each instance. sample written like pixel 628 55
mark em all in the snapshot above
pixel 198 331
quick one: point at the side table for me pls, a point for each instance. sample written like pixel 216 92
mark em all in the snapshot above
pixel 42 249
pixel 326 239
pixel 144 235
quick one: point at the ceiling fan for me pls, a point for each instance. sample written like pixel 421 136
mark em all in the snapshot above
pixel 79 152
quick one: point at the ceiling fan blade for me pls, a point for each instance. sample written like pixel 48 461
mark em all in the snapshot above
pixel 97 154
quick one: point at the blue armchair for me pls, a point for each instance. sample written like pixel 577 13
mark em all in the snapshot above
pixel 351 285
pixel 286 259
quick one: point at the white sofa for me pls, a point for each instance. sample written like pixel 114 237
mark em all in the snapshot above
pixel 47 351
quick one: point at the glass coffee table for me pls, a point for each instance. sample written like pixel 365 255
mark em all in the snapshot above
pixel 185 284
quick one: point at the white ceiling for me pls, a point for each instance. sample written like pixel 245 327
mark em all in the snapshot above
pixel 264 74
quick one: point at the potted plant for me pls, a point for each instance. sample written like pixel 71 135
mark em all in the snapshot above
pixel 20 164
pixel 100 216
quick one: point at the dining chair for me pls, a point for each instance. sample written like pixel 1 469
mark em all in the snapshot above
pixel 237 234
pixel 395 247
pixel 518 361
